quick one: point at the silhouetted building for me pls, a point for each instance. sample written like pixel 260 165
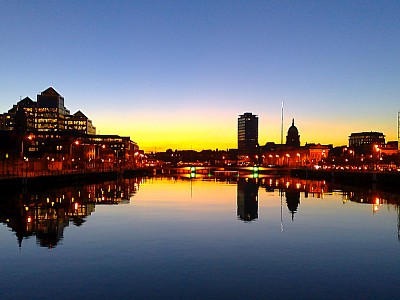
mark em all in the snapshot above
pixel 7 120
pixel 248 133
pixel 293 137
pixel 292 154
pixel 247 199
pixel 365 142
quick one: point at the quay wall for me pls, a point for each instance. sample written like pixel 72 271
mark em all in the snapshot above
pixel 72 179
pixel 351 178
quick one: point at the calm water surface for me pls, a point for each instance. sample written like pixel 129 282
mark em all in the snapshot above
pixel 200 238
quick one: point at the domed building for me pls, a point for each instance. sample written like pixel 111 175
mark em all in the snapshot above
pixel 293 137
pixel 292 154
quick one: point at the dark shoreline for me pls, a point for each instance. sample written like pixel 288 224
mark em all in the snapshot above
pixel 373 180
pixel 62 180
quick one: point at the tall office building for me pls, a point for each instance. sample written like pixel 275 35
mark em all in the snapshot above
pixel 50 111
pixel 248 133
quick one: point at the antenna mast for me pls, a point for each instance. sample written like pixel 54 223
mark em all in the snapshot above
pixel 398 130
pixel 282 124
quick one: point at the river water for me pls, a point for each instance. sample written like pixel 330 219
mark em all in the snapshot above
pixel 197 238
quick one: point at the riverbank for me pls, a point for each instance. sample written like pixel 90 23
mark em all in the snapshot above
pixel 372 179
pixel 71 179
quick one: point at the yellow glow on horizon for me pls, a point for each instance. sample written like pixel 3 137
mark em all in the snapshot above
pixel 199 130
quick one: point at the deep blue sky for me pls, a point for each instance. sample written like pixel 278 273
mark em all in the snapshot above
pixel 178 73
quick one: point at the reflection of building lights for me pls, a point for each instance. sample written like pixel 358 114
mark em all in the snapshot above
pixel 287 184
pixel 76 205
pixel 377 201
pixel 298 185
pixel 29 219
pixel 375 207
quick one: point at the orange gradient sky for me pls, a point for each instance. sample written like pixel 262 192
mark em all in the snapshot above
pixel 203 129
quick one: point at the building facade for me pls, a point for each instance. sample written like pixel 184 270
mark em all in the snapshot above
pixel 248 133
pixel 79 122
pixel 50 112
pixel 292 154
pixel 47 116
pixel 366 142
pixel 7 120
pixel 45 136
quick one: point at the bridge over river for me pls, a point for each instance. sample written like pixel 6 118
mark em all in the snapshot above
pixel 228 170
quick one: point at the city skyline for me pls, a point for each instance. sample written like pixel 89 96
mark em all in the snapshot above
pixel 177 75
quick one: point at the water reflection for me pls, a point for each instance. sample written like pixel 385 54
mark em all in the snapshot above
pixel 292 201
pixel 45 214
pixel 247 199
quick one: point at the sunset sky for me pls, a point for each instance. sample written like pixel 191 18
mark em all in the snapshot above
pixel 176 74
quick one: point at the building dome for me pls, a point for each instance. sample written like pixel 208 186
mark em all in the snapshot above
pixel 293 137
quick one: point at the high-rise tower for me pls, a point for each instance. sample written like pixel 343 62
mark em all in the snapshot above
pixel 248 133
